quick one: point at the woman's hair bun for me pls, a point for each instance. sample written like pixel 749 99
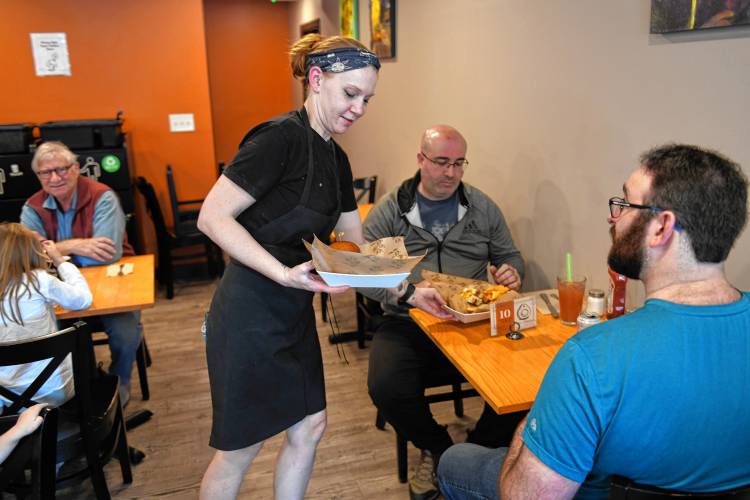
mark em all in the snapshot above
pixel 299 51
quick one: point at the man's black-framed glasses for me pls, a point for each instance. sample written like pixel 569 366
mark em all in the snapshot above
pixel 60 171
pixel 617 204
pixel 461 163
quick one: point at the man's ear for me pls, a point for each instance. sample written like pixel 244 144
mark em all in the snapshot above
pixel 314 78
pixel 662 228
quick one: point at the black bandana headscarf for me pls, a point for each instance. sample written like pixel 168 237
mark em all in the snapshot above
pixel 340 60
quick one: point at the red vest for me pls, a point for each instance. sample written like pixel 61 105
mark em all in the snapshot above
pixel 89 193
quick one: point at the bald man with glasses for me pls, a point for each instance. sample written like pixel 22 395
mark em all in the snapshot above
pixel 463 232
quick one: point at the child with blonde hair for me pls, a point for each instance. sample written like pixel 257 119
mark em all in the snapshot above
pixel 28 294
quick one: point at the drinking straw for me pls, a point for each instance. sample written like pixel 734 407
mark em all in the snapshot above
pixel 569 266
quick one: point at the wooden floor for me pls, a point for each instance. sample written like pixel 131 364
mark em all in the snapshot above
pixel 354 460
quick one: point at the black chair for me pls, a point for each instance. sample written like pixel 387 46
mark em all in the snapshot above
pixel 131 228
pixel 185 220
pixel 169 241
pixel 625 489
pixel 369 316
pixel 456 394
pixel 142 361
pixel 363 186
pixel 142 356
pixel 35 452
pixel 91 425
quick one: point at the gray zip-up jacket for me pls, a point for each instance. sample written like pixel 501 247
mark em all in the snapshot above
pixel 480 237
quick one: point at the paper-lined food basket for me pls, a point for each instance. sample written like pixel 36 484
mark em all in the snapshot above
pixel 383 263
pixel 505 309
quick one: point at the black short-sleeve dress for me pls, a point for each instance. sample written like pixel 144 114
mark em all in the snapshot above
pixel 264 362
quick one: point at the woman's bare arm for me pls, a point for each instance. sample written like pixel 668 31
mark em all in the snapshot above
pixel 217 220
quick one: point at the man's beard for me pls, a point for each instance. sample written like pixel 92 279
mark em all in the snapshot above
pixel 627 253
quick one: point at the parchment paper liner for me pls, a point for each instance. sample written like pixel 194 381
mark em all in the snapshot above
pixel 450 287
pixel 383 256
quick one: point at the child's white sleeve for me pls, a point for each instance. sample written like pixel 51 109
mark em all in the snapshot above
pixel 73 291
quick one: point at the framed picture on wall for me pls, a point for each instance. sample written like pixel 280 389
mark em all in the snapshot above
pixel 383 28
pixel 685 15
pixel 349 18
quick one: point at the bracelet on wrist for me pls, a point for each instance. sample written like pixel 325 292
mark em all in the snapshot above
pixel 410 289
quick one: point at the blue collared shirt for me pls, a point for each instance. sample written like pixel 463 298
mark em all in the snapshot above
pixel 109 221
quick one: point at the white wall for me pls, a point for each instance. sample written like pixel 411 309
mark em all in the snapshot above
pixel 557 99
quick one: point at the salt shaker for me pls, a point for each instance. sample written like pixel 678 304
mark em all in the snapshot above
pixel 595 302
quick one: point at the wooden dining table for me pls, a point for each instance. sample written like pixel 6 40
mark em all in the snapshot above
pixel 364 209
pixel 121 293
pixel 506 373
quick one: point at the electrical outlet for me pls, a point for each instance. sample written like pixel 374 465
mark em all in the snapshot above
pixel 181 122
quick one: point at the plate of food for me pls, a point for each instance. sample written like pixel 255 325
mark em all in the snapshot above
pixel 467 299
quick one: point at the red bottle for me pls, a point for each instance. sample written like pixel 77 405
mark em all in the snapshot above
pixel 616 297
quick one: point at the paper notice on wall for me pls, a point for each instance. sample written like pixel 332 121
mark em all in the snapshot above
pixel 50 54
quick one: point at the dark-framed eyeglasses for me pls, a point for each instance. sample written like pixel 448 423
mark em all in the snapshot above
pixel 617 204
pixel 444 163
pixel 60 171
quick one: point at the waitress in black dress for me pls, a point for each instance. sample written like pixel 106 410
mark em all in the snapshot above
pixel 288 182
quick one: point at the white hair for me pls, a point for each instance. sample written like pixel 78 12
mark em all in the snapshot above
pixel 52 149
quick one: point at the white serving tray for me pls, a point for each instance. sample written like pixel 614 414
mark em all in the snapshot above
pixel 364 280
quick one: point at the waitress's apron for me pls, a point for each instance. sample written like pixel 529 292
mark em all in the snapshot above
pixel 264 361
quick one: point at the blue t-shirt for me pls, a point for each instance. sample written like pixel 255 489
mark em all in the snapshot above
pixel 438 216
pixel 659 396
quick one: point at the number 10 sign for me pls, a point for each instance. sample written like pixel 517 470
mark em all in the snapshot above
pixel 516 314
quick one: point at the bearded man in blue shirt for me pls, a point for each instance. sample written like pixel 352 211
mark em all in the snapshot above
pixel 659 395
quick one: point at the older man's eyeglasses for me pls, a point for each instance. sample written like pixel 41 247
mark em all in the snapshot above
pixel 60 171
pixel 461 163
pixel 616 206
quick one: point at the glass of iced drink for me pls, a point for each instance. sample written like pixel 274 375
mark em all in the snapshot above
pixel 571 298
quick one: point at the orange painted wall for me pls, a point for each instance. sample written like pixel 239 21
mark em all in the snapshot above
pixel 145 57
pixel 247 44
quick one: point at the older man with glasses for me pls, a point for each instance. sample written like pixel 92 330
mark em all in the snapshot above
pixel 658 396
pixel 463 232
pixel 86 221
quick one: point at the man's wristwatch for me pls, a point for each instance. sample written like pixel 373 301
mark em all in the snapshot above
pixel 407 294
